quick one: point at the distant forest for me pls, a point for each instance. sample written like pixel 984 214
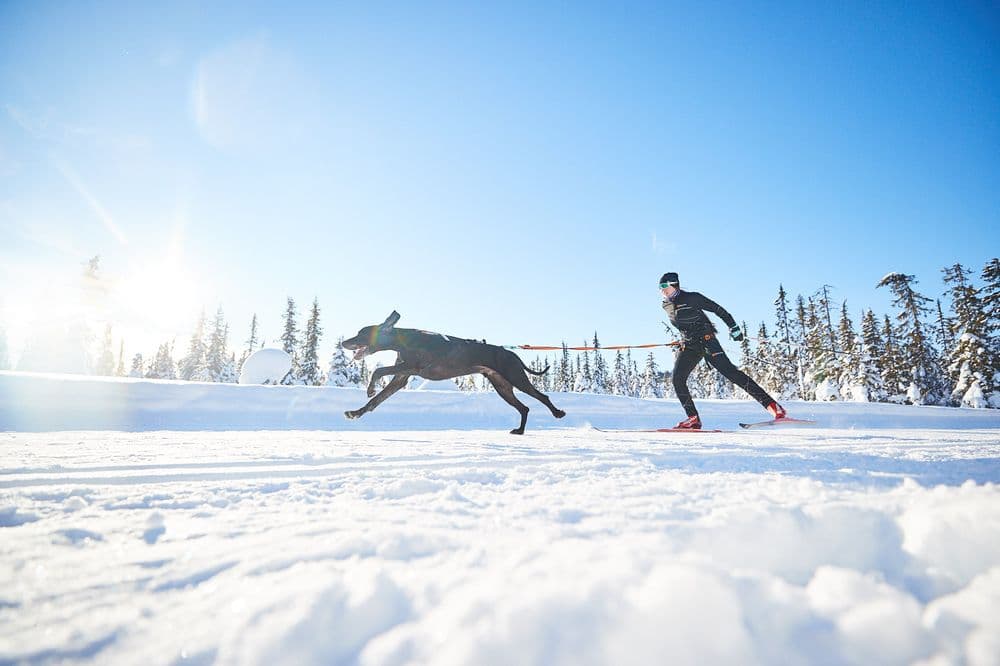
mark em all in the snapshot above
pixel 925 353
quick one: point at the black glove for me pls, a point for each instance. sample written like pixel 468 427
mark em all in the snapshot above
pixel 736 333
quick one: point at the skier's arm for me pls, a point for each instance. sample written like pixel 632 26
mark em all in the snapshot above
pixel 705 303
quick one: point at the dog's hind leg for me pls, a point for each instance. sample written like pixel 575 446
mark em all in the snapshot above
pixel 506 391
pixel 522 383
pixel 396 383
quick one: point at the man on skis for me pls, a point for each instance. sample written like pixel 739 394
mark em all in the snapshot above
pixel 698 340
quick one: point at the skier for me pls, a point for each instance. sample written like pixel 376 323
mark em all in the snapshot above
pixel 685 310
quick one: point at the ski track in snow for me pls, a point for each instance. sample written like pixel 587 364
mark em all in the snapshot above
pixel 861 541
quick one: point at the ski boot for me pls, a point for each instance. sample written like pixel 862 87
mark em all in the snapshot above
pixel 777 411
pixel 690 423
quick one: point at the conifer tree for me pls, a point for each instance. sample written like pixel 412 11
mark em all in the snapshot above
pixel 944 336
pixel 585 379
pixel 969 366
pixel 564 374
pixel 251 342
pixel 163 366
pixel 619 375
pixel 990 294
pixel 137 366
pixel 927 384
pixel 799 328
pixel 651 386
pixel 120 370
pixel 892 363
pixel 194 360
pixel 824 368
pixel 600 379
pixel 310 372
pixel 787 361
pixel 343 371
pixel 852 374
pixel 770 363
pixel 106 359
pixel 215 354
pixel 870 356
pixel 290 341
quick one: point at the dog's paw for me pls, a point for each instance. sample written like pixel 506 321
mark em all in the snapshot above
pixel 371 391
pixel 352 414
pixel 559 413
pixel 517 431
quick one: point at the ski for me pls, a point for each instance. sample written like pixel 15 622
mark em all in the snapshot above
pixel 650 430
pixel 777 422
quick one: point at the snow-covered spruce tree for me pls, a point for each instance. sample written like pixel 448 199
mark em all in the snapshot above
pixel 162 366
pixel 852 374
pixel 825 310
pixel 770 363
pixel 748 361
pixel 585 379
pixel 927 385
pixel 990 293
pixel 824 367
pixel 871 351
pixel 944 336
pixel 601 380
pixel 651 386
pixel 799 329
pixel 105 365
pixel 120 369
pixel 343 371
pixel 309 370
pixel 229 374
pixel 894 375
pixel 564 370
pixel 969 366
pixel 137 366
pixel 784 354
pixel 634 378
pixel 251 342
pixel 215 354
pixel 619 375
pixel 194 360
pixel 290 341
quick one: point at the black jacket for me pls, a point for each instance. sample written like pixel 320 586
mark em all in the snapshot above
pixel 685 313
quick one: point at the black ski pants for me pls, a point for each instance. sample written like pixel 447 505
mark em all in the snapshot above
pixel 711 350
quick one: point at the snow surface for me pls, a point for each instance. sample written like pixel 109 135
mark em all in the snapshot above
pixel 161 522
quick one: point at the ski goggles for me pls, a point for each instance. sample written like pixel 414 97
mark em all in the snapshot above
pixel 664 285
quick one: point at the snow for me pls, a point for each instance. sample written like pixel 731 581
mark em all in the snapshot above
pixel 265 366
pixel 164 522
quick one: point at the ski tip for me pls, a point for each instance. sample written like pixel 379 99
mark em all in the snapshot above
pixel 778 422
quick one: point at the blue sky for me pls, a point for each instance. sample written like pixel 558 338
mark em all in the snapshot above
pixel 522 172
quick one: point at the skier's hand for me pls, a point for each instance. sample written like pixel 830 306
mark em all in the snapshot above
pixel 736 333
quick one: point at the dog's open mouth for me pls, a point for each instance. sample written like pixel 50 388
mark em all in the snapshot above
pixel 360 353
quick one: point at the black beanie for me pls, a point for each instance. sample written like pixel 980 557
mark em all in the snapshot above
pixel 671 279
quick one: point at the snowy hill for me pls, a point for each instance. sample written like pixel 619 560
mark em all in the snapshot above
pixel 162 522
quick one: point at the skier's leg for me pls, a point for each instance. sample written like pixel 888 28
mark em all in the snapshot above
pixel 684 363
pixel 717 358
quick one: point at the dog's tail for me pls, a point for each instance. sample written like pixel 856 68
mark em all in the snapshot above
pixel 536 372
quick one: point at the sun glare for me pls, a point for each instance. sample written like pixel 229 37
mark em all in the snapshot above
pixel 161 296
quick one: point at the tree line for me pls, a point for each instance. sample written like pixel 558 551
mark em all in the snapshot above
pixel 926 352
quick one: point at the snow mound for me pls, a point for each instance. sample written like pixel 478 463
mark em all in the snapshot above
pixel 266 366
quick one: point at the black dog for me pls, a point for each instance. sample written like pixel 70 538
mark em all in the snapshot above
pixel 437 356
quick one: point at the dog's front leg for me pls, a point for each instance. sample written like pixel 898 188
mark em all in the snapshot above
pixel 398 382
pixel 379 373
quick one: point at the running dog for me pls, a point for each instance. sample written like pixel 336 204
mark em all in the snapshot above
pixel 436 356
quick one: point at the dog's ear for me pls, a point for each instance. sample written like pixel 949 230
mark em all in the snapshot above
pixel 391 320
